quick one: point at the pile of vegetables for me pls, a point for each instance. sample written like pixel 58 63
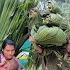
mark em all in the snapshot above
pixel 49 29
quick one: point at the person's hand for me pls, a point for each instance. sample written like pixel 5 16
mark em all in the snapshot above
pixel 31 39
pixel 12 64
pixel 39 49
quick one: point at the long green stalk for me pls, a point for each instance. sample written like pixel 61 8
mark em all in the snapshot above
pixel 1 5
pixel 8 23
pixel 3 15
pixel 6 20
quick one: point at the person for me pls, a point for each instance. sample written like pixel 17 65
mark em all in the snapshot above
pixel 23 55
pixel 7 55
pixel 27 44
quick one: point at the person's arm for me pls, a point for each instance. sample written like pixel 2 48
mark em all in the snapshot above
pixel 27 44
pixel 65 56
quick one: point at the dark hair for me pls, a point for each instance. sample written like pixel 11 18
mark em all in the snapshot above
pixel 9 42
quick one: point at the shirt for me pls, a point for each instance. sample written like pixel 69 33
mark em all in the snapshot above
pixel 3 63
pixel 26 46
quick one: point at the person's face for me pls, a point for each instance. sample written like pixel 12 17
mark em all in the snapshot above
pixel 9 51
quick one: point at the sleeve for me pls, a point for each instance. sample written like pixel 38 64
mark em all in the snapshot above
pixel 26 46
pixel 2 60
